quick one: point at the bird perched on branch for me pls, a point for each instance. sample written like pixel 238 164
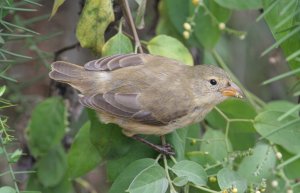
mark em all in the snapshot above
pixel 147 94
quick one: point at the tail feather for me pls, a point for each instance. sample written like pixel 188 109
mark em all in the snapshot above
pixel 71 74
pixel 66 72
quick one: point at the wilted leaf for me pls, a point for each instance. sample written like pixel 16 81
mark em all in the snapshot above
pixel 228 179
pixel 47 126
pixel 259 165
pixel 123 181
pixel 56 5
pixel 151 180
pixel 118 44
pixel 82 156
pixel 96 16
pixel 214 144
pixel 51 168
pixel 170 47
pixel 192 170
pixel 139 20
pixel 238 4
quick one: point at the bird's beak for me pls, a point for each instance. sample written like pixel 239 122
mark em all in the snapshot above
pixel 232 90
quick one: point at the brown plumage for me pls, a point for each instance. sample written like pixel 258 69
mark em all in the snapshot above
pixel 146 94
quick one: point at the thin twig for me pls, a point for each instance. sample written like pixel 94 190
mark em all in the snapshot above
pixel 62 50
pixel 132 26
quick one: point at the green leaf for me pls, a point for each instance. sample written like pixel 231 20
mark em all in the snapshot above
pixel 292 169
pixel 118 44
pixel 281 76
pixel 192 170
pixel 56 5
pixel 204 159
pixel 151 180
pixel 178 140
pixel 285 133
pixel 94 19
pixel 51 168
pixel 81 149
pixel 214 144
pixel 279 106
pixel 176 17
pixel 170 47
pixel 238 4
pixel 207 29
pixel 7 189
pixel 7 3
pixel 108 139
pixel 181 181
pixel 123 181
pixel 35 186
pixel 259 165
pixel 2 41
pixel 242 134
pixel 164 25
pixel 15 156
pixel 2 90
pixel 274 17
pixel 136 151
pixel 228 179
pixel 47 126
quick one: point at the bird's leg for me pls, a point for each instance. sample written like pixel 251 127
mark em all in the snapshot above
pixel 165 149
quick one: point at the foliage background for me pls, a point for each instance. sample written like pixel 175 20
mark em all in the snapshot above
pixel 55 140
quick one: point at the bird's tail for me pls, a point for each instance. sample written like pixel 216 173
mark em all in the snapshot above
pixel 71 74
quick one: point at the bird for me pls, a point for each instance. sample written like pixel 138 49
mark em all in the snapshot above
pixel 147 94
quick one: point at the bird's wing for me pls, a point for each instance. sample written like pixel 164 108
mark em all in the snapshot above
pixel 114 62
pixel 138 95
pixel 120 105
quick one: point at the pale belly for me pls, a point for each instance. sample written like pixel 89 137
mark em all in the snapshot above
pixel 131 128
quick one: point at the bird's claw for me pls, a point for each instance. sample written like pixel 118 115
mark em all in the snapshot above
pixel 166 149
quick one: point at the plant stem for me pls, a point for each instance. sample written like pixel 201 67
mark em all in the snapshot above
pixel 132 26
pixel 172 189
pixel 254 100
pixel 205 189
pixel 11 171
pixel 292 159
pixel 86 185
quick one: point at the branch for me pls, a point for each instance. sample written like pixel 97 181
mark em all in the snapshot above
pixel 132 25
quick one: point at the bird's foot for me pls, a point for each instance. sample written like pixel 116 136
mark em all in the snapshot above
pixel 166 149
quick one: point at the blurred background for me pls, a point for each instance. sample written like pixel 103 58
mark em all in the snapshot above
pixel 56 40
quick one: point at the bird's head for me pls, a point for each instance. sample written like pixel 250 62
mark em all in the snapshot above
pixel 216 85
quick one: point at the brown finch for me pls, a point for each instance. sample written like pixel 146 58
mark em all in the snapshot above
pixel 147 94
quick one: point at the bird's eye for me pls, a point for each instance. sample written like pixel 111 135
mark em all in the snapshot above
pixel 213 81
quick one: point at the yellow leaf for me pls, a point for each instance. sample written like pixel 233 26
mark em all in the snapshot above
pixel 96 16
pixel 56 5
